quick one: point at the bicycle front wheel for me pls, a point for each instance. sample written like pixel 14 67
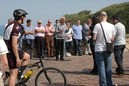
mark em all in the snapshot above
pixel 50 77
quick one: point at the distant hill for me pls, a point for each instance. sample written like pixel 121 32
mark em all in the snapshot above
pixel 121 9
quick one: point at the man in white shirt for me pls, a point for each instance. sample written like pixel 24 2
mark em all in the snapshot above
pixel 103 59
pixel 119 43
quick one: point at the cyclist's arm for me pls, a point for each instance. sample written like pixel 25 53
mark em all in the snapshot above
pixel 15 49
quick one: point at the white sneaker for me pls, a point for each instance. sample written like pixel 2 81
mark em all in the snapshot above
pixel 69 54
pixel 86 52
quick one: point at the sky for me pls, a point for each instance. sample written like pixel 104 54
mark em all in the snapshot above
pixel 50 9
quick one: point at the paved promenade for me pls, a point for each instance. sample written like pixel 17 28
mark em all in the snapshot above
pixel 77 70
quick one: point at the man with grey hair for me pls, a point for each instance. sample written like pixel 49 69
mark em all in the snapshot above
pixel 10 20
pixel 60 40
pixel 103 59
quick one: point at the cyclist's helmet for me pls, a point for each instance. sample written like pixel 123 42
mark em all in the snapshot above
pixel 18 13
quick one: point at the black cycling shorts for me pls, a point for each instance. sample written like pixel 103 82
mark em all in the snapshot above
pixel 12 59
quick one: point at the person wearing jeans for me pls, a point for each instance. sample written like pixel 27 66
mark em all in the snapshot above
pixel 102 57
pixel 77 38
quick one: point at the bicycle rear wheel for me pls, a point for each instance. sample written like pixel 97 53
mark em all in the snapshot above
pixel 50 77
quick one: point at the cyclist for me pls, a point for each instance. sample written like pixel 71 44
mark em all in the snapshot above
pixel 16 57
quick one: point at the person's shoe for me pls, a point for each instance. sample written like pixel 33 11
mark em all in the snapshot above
pixel 62 59
pixel 43 56
pixel 89 53
pixel 115 85
pixel 79 54
pixel 48 56
pixel 57 58
pixel 118 71
pixel 75 54
pixel 52 56
pixel 69 54
pixel 86 52
pixel 94 72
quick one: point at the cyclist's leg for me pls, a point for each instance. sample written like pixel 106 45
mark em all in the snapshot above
pixel 25 59
pixel 12 65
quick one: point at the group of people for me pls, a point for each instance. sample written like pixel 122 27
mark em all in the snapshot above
pixel 56 39
pixel 60 37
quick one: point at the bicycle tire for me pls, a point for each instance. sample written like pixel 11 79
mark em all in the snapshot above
pixel 56 77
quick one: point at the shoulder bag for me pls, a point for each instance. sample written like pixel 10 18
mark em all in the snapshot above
pixel 109 46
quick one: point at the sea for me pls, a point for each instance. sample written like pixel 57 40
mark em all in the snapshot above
pixel 1 30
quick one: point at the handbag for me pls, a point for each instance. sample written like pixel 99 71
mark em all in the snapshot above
pixel 109 46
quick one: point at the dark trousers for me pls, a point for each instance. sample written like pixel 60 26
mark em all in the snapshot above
pixel 60 49
pixel 39 44
pixel 68 46
pixel 94 70
pixel 118 52
pixel 77 46
pixel 50 45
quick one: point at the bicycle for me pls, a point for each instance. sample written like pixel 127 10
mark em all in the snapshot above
pixel 47 76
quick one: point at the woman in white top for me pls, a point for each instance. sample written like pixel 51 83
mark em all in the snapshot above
pixel 39 38
pixel 69 39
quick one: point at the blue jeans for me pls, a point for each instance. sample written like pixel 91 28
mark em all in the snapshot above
pixel 77 46
pixel 104 64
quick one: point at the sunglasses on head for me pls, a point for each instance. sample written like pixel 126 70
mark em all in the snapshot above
pixel 39 23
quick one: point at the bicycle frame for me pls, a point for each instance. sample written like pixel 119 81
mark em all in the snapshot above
pixel 31 66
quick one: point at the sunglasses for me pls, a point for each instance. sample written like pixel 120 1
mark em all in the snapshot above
pixel 49 22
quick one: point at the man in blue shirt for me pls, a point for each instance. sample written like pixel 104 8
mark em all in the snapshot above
pixel 77 38
pixel 29 35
